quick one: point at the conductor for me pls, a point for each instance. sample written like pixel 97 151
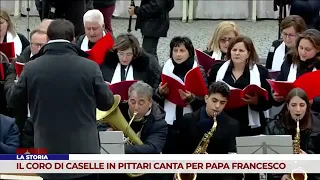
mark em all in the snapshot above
pixel 63 90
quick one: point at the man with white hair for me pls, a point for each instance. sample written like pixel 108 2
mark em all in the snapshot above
pixel 93 22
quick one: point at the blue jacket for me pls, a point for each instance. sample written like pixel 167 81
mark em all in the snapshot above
pixel 9 135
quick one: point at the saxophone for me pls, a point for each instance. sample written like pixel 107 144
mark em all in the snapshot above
pixel 201 149
pixel 296 150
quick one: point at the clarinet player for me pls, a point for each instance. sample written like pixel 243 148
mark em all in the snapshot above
pixel 193 126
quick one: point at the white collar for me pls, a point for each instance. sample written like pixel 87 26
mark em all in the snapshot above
pixel 58 40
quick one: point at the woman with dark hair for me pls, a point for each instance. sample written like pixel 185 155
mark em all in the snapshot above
pixel 128 61
pixel 297 107
pixel 182 60
pixel 290 28
pixel 303 58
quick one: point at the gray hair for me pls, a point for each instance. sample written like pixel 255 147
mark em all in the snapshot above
pixel 142 89
pixel 93 16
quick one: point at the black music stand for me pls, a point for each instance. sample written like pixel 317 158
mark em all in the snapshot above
pixel 282 12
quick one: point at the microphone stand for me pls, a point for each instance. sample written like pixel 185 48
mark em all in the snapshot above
pixel 130 18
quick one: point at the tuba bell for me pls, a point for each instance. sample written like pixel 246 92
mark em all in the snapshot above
pixel 115 119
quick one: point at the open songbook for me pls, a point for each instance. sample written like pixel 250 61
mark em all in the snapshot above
pixel 121 88
pixel 309 82
pixel 205 61
pixel 193 83
pixel 19 68
pixel 236 95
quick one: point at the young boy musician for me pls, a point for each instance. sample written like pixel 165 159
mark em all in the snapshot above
pixel 193 126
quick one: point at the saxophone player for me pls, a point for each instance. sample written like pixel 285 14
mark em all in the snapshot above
pixel 192 127
pixel 296 108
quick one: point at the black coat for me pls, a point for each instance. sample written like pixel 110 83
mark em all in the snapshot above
pixel 20 114
pixel 145 68
pixel 63 91
pixel 3 102
pixel 308 138
pixel 190 131
pixel 153 17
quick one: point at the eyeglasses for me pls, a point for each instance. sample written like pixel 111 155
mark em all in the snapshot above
pixel 224 40
pixel 285 35
pixel 125 54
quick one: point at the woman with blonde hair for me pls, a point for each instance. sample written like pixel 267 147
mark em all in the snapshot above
pixel 223 34
pixel 8 33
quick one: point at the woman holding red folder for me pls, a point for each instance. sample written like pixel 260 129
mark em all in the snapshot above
pixel 241 70
pixel 127 61
pixel 304 57
pixel 180 63
pixel 296 106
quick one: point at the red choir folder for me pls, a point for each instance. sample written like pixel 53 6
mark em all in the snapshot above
pixel 235 100
pixel 19 67
pixel 309 82
pixel 273 74
pixel 100 49
pixel 205 61
pixel 8 50
pixel 193 83
pixel 121 88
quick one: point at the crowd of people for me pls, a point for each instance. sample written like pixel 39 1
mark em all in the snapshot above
pixel 53 103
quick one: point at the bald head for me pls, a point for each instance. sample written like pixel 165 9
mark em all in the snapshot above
pixel 45 24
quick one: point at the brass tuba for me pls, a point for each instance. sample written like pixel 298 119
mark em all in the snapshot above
pixel 201 149
pixel 115 119
pixel 296 150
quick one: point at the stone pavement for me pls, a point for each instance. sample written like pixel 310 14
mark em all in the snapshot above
pixel 200 32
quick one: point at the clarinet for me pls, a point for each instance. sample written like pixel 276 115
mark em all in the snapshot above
pixel 130 18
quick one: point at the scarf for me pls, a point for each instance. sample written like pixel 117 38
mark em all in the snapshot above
pixel 217 55
pixel 254 118
pixel 16 41
pixel 169 107
pixel 278 57
pixel 117 74
pixel 85 42
pixel 292 76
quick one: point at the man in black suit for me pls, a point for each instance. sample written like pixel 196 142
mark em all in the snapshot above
pixel 192 127
pixel 63 90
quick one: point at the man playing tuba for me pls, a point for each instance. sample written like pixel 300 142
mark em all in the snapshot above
pixel 148 124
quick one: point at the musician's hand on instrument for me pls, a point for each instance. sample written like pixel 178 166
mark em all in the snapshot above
pixel 286 177
pixel 163 88
pixel 131 10
pixel 251 99
pixel 185 95
pixel 277 98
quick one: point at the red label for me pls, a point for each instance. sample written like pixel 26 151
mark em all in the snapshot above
pixel 31 151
